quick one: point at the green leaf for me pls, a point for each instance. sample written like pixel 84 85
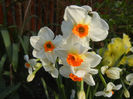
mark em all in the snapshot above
pixel 2 84
pixel 45 88
pixel 2 61
pixel 23 43
pixel 8 91
pixel 15 56
pixel 7 42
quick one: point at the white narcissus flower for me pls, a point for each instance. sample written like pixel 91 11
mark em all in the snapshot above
pixel 112 72
pixel 108 91
pixel 79 73
pixel 30 64
pixel 78 63
pixel 129 78
pixel 49 67
pixel 44 44
pixel 78 23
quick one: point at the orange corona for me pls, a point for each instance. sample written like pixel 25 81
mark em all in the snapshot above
pixel 74 60
pixel 48 46
pixel 75 78
pixel 112 92
pixel 80 30
pixel 27 65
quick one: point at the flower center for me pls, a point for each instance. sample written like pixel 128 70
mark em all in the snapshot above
pixel 112 92
pixel 48 46
pixel 74 60
pixel 80 30
pixel 74 77
pixel 27 65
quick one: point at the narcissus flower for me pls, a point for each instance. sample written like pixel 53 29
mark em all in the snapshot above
pixel 49 67
pixel 116 49
pixel 82 22
pixel 44 44
pixel 129 78
pixel 108 91
pixel 79 73
pixel 112 72
pixel 30 64
pixel 127 60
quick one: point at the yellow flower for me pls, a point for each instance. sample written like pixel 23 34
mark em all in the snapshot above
pixel 130 60
pixel 127 43
pixel 116 49
pixel 127 60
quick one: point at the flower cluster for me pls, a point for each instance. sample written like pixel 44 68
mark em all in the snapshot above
pixel 72 50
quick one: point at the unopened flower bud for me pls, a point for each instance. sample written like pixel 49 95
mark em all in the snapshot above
pixel 113 72
pixel 126 93
pixel 30 77
pixel 81 95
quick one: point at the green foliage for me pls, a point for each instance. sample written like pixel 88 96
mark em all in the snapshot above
pixel 15 44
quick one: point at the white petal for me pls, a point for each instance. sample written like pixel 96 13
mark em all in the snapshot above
pixel 103 69
pixel 87 21
pixel 86 7
pixel 66 28
pixel 110 86
pixel 93 71
pixel 51 57
pixel 113 72
pixel 39 54
pixel 81 49
pixel 99 93
pixel 129 77
pixel 46 33
pixel 32 62
pixel 26 57
pixel 47 65
pixel 65 71
pixel 98 34
pixel 75 14
pixel 109 94
pixel 54 73
pixel 89 80
pixel 98 28
pixel 30 70
pixel 117 87
pixel 92 59
pixel 58 41
pixel 131 83
pixel 80 73
pixel 36 42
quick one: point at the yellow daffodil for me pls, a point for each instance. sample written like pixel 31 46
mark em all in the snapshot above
pixel 116 49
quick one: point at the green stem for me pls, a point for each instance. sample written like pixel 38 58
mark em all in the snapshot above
pixel 45 88
pixel 103 80
pixel 37 69
pixel 82 85
pixel 88 90
pixel 61 87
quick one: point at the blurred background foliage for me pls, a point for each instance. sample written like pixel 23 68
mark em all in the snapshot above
pixel 19 19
